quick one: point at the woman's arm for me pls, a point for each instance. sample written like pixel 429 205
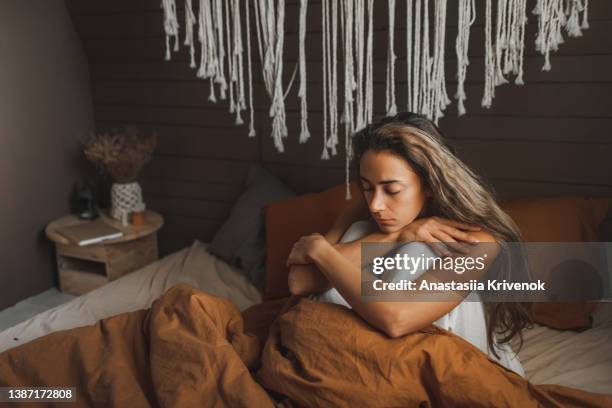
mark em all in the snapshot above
pixel 304 279
pixel 394 318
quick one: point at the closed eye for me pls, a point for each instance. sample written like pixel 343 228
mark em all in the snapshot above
pixel 386 191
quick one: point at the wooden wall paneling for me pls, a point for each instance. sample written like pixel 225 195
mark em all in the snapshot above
pixel 196 116
pixel 508 189
pixel 565 99
pixel 125 25
pixel 476 126
pixel 580 68
pixel 598 9
pixel 139 49
pixel 197 169
pixel 579 99
pixel 180 231
pixel 160 93
pixel 594 41
pixel 308 153
pixel 307 179
pixel 574 68
pixel 498 128
pixel 586 130
pixel 582 99
pixel 192 190
pixel 81 8
pixel 146 22
pixel 558 124
pixel 539 161
pixel 213 210
pixel 196 141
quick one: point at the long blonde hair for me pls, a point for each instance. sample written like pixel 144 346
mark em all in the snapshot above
pixel 457 194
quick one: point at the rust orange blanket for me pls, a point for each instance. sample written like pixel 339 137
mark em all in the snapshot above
pixel 194 349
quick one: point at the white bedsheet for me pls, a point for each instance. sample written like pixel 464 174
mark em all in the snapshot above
pixel 193 265
pixel 575 359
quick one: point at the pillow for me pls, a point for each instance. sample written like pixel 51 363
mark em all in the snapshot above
pixel 561 219
pixel 605 228
pixel 605 235
pixel 290 219
pixel 558 219
pixel 240 240
pixel 571 279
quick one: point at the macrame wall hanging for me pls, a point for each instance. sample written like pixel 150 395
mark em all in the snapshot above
pixel 347 30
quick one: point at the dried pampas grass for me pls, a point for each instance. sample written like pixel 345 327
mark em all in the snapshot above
pixel 122 153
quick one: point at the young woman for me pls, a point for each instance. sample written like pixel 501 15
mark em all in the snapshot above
pixel 415 190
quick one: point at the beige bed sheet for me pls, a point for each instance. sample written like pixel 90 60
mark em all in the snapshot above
pixel 575 359
pixel 193 265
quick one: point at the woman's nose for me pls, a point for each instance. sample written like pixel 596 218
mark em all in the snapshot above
pixel 377 203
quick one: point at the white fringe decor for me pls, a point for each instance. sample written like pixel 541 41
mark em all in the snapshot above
pixel 304 132
pixel 171 26
pixel 467 16
pixel 360 63
pixel 553 16
pixel 347 33
pixel 326 73
pixel 391 105
pixel 190 21
pixel 504 50
pixel 270 22
pixel 347 39
pixel 252 132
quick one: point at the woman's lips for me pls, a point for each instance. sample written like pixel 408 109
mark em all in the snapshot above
pixel 385 221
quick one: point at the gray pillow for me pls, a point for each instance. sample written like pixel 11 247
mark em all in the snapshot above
pixel 241 240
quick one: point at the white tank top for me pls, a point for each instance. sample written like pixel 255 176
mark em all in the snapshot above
pixel 467 319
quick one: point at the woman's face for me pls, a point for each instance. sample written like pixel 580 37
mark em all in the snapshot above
pixel 392 189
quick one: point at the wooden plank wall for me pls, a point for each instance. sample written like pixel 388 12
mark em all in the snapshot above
pixel 549 137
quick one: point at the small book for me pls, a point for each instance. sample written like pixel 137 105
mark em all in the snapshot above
pixel 91 232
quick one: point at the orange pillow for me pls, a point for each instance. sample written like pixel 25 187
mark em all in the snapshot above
pixel 564 315
pixel 288 220
pixel 560 219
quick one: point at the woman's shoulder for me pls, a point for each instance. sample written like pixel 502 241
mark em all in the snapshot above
pixel 366 221
pixel 359 229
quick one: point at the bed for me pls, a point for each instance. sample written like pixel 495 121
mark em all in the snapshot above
pixel 193 265
pixel 170 324
pixel 580 360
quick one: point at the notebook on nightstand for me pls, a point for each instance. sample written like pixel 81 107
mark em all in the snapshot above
pixel 90 232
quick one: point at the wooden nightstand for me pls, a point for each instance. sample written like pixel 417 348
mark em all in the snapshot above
pixel 84 268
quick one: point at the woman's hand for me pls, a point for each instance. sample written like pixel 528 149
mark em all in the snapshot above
pixel 304 249
pixel 442 234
